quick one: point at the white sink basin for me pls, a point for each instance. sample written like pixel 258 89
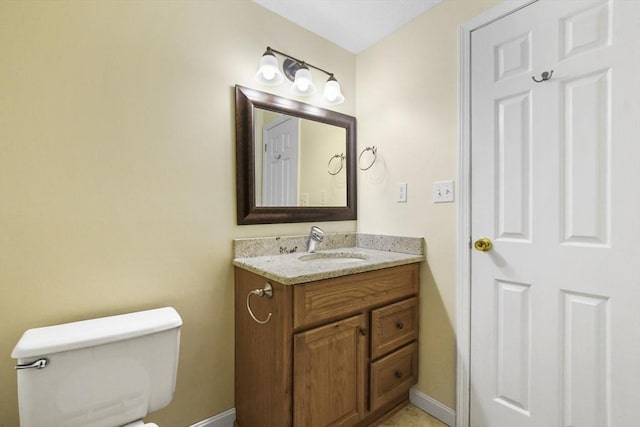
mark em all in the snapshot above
pixel 334 257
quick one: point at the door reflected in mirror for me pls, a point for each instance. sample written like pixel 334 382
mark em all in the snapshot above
pixel 298 162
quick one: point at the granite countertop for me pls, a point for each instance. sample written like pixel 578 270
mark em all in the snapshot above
pixel 289 267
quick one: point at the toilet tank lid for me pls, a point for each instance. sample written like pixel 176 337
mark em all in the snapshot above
pixel 86 333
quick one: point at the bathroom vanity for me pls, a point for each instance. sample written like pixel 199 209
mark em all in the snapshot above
pixel 336 344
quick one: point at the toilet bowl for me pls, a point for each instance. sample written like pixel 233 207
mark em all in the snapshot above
pixel 104 372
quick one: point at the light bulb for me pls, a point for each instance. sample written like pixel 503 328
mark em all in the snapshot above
pixel 331 94
pixel 268 73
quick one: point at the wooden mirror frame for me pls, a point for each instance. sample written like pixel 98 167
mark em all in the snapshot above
pixel 248 213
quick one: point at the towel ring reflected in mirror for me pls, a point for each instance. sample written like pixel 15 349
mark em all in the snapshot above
pixel 374 152
pixel 333 166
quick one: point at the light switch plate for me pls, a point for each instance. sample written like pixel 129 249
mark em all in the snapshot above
pixel 443 192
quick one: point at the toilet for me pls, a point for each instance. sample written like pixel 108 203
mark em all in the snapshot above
pixel 105 372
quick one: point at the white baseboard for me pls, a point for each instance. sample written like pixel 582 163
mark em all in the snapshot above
pixel 223 419
pixel 418 398
pixel 433 407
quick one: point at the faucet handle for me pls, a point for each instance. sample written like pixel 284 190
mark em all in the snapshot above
pixel 315 236
pixel 317 233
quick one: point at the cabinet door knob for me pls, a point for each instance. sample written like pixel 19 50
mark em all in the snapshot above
pixel 363 332
pixel 398 374
pixel 400 325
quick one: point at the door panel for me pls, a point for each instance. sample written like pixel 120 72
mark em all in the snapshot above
pixel 513 327
pixel 586 30
pixel 586 144
pixel 513 166
pixel 513 57
pixel 586 354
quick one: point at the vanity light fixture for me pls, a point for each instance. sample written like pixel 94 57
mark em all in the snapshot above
pixel 298 72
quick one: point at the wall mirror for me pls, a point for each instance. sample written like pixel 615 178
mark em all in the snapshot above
pixel 295 162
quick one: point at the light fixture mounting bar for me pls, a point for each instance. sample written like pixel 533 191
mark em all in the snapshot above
pixel 299 61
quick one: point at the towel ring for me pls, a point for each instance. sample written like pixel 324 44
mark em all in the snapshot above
pixel 373 150
pixel 267 291
pixel 331 160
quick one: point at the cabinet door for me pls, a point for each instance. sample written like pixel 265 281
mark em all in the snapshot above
pixel 329 366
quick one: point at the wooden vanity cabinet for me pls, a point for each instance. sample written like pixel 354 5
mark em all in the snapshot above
pixel 335 352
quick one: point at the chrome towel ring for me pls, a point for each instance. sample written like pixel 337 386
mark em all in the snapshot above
pixel 374 151
pixel 267 291
pixel 337 168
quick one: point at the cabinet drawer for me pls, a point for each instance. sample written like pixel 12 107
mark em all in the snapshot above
pixel 325 299
pixel 393 326
pixel 393 375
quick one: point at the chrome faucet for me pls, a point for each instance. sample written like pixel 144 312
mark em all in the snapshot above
pixel 316 235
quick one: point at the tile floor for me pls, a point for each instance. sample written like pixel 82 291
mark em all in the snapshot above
pixel 411 416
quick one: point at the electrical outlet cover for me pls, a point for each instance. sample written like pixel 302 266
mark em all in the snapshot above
pixel 402 193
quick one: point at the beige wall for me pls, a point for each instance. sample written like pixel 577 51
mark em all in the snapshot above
pixel 407 107
pixel 117 177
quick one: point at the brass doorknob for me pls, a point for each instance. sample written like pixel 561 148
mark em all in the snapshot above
pixel 483 244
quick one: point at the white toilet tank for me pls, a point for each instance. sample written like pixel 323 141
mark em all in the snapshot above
pixel 104 372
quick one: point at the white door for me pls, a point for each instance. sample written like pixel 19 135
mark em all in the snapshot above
pixel 555 303
pixel 280 162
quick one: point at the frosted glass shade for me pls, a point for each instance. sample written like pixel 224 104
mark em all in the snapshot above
pixel 332 94
pixel 268 72
pixel 303 83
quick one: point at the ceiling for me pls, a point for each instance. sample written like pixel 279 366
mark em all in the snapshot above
pixel 353 25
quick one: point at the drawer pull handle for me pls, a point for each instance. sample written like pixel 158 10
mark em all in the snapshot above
pixel 398 374
pixel 363 332
pixel 400 325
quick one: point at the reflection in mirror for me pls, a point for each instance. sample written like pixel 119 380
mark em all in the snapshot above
pixel 294 162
